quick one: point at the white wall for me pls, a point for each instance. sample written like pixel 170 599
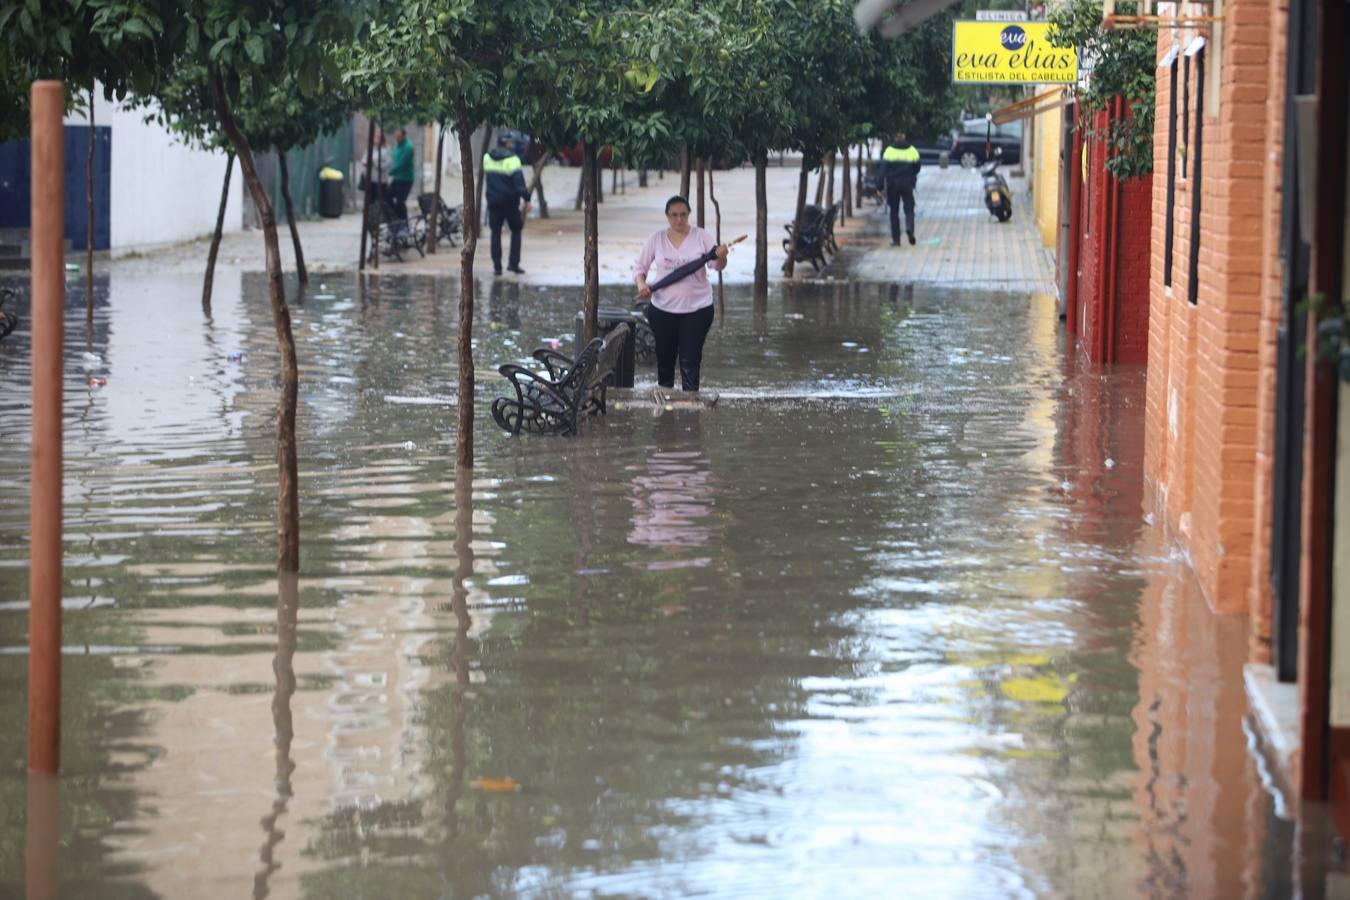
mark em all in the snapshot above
pixel 162 191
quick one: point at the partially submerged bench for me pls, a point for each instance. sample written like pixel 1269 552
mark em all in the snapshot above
pixel 8 320
pixel 816 239
pixel 553 403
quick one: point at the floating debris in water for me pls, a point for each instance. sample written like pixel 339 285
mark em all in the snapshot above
pixel 72 267
pixel 235 357
pixel 95 381
pixel 409 445
pixel 431 400
pixel 1110 463
pixel 325 296
pixel 496 785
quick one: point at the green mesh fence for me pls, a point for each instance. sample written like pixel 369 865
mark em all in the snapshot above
pixel 330 150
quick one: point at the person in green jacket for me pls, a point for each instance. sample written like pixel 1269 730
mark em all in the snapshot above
pixel 401 175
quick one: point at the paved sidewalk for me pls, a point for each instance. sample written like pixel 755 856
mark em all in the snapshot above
pixel 960 243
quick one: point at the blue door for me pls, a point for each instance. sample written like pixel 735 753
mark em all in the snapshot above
pixel 15 182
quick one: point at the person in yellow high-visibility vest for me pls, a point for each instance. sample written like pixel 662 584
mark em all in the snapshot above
pixel 505 183
pixel 900 166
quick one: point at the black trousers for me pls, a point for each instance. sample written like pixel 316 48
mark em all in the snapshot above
pixel 895 195
pixel 398 197
pixel 511 216
pixel 682 335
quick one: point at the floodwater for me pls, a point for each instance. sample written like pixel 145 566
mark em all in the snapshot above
pixel 889 620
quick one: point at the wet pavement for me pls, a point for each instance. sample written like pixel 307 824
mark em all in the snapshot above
pixel 889 620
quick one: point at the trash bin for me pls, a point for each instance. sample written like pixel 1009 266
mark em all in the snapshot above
pixel 609 318
pixel 330 192
pixel 944 159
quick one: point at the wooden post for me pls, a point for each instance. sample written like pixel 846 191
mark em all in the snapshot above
pixel 42 838
pixel 44 559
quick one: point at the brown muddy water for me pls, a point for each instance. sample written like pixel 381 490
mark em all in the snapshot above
pixel 890 620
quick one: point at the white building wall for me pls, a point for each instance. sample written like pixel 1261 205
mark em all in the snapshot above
pixel 162 191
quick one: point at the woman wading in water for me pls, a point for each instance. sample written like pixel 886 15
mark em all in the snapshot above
pixel 680 314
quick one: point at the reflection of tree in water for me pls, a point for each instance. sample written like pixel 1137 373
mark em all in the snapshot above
pixel 288 605
pixel 462 652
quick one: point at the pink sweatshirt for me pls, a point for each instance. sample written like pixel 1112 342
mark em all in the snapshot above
pixel 690 293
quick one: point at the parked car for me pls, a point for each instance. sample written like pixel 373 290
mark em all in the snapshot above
pixel 968 147
pixel 931 148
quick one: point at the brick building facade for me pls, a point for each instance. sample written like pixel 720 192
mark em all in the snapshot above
pixel 1210 254
pixel 1241 430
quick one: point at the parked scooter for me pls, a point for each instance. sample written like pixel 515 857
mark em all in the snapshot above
pixel 997 197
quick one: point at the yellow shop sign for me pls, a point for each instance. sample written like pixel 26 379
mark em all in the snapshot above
pixel 1010 53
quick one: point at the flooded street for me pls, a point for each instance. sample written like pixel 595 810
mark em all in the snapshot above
pixel 890 620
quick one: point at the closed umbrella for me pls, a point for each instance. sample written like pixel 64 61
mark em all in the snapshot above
pixel 690 268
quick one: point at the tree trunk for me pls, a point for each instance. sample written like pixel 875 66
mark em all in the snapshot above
pixel 290 218
pixel 642 178
pixel 478 202
pixel 537 185
pixel 581 182
pixel 846 185
pixel 761 221
pixel 288 497
pixel 790 265
pixel 685 163
pixel 89 232
pixel 436 202
pixel 209 281
pixel 717 218
pixel 858 183
pixel 383 193
pixel 820 182
pixel 699 167
pixel 365 203
pixel 464 439
pixel 591 293
pixel 829 184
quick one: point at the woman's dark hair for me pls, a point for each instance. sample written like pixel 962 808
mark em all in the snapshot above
pixel 677 199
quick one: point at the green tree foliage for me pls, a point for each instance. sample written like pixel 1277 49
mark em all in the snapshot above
pixel 1124 64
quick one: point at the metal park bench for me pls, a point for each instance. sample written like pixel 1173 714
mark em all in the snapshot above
pixel 817 237
pixel 554 403
pixel 447 227
pixel 8 320
pixel 645 338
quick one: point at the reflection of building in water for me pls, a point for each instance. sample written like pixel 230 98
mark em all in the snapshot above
pixel 672 497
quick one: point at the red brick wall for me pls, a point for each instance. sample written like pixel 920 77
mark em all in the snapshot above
pixel 1204 365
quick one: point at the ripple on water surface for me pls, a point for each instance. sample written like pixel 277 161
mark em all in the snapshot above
pixel 885 616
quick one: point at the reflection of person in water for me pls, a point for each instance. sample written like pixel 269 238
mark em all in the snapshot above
pixel 504 303
pixel 672 499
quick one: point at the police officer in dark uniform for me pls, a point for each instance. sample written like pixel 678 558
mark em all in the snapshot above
pixel 505 186
pixel 900 165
